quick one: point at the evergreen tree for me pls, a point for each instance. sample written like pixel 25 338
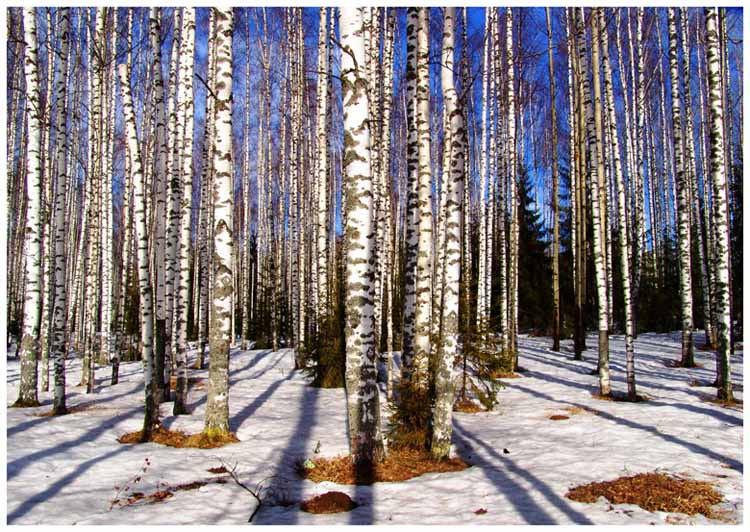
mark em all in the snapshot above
pixel 535 285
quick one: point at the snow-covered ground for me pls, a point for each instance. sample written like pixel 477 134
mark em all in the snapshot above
pixel 64 470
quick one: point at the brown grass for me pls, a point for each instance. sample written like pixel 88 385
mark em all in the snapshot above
pixel 557 417
pixel 197 383
pixel 620 397
pixel 332 502
pixel 653 492
pixel 734 404
pixel 467 406
pixel 400 464
pixel 173 438
pixel 503 374
pixel 218 470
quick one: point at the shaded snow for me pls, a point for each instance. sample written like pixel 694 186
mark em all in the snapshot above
pixel 64 470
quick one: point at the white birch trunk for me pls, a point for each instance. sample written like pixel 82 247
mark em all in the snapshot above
pixel 217 407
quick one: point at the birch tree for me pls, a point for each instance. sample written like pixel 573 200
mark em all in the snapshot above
pixel 186 177
pixel 27 394
pixel 621 209
pixel 683 207
pixel 719 191
pixel 365 440
pixel 59 313
pixel 412 205
pixel 555 199
pixel 595 137
pixel 422 316
pixel 217 407
pixel 151 417
pixel 448 346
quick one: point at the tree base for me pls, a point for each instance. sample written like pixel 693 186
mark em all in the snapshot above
pixel 26 403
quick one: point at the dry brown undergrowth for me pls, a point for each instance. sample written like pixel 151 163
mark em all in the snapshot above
pixel 332 502
pixel 196 383
pixel 620 397
pixel 653 492
pixel 466 406
pixel 734 404
pixel 173 438
pixel 502 374
pixel 400 464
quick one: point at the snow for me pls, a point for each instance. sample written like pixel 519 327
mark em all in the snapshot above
pixel 64 470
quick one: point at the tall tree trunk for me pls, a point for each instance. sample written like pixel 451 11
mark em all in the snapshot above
pixel 448 346
pixel 718 184
pixel 217 406
pixel 59 314
pixel 621 210
pixel 187 48
pixel 683 207
pixel 555 199
pixel 365 440
pixel 422 347
pixel 412 198
pixel 595 143
pixel 151 417
pixel 27 394
pixel 512 191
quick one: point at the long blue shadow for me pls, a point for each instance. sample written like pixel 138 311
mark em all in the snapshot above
pixel 529 509
pixel 693 447
pixel 21 427
pixel 287 482
pixel 44 496
pixel 19 464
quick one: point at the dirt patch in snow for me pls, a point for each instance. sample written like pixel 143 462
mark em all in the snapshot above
pixel 400 464
pixel 654 492
pixel 173 438
pixel 332 502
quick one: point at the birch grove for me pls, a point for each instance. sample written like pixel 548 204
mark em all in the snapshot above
pixel 393 200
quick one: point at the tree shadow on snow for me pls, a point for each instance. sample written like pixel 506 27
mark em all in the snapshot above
pixel 651 403
pixel 19 464
pixel 504 481
pixel 54 488
pixel 258 357
pixel 734 464
pixel 284 492
pixel 33 422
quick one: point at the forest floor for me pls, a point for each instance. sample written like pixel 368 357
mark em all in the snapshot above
pixel 72 470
